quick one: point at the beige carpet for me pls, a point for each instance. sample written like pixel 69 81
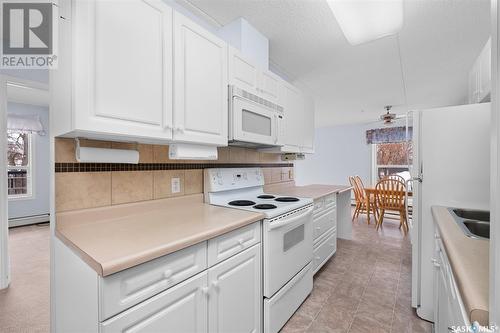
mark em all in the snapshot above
pixel 25 305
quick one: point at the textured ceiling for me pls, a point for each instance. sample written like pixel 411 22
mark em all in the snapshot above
pixel 439 42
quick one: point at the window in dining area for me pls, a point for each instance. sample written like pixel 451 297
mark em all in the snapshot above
pixel 392 158
pixel 19 164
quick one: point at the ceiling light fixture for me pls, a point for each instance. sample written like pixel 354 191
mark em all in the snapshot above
pixel 366 20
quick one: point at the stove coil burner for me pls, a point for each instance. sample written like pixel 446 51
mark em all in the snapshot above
pixel 266 196
pixel 264 206
pixel 287 199
pixel 241 203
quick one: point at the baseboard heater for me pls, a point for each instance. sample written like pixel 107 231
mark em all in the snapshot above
pixel 27 220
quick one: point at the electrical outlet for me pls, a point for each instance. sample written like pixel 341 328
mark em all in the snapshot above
pixel 176 185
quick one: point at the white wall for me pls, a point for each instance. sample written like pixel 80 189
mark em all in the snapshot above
pixel 340 152
pixel 39 204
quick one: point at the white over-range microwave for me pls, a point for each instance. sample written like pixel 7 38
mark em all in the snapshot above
pixel 254 121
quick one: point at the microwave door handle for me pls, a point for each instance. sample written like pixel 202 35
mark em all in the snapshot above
pixel 285 221
pixel 276 128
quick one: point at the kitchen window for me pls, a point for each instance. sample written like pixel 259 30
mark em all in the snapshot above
pixel 391 158
pixel 19 164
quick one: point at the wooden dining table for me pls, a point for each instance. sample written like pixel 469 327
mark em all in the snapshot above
pixel 372 191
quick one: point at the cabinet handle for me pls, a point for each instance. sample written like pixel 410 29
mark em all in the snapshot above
pixel 205 291
pixel 317 258
pixel 435 263
pixel 215 284
pixel 241 242
pixel 167 274
pixel 318 228
pixel 179 129
pixel 332 244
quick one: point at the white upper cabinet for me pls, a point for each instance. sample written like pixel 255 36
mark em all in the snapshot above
pixel 122 63
pixel 485 71
pixel 480 76
pixel 122 68
pixel 200 80
pixel 242 72
pixel 246 75
pixel 293 105
pixel 269 86
pixel 308 123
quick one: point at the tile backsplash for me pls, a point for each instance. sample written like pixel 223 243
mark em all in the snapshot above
pixel 89 185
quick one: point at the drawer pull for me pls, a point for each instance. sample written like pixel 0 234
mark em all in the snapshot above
pixel 167 274
pixel 215 284
pixel 241 242
pixel 205 291
pixel 332 244
pixel 318 228
pixel 435 263
pixel 317 258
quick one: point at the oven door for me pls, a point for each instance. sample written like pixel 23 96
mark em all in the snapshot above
pixel 254 123
pixel 288 247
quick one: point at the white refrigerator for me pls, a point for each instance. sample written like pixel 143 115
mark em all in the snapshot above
pixel 451 167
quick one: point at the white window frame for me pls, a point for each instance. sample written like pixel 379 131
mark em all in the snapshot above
pixel 30 183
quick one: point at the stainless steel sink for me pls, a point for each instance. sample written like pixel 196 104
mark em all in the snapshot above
pixel 474 223
pixel 478 228
pixel 470 214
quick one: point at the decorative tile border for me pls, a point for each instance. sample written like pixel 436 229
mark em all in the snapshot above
pixel 103 167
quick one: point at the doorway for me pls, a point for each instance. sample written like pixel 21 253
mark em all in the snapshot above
pixel 25 206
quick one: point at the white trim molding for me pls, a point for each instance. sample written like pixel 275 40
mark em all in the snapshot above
pixel 4 221
pixel 495 169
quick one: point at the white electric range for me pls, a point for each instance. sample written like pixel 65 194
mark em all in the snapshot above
pixel 287 237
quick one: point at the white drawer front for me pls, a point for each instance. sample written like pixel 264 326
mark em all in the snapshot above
pixel 323 223
pixel 330 201
pixel 279 308
pixel 122 290
pixel 318 206
pixel 233 242
pixel 324 250
pixel 183 308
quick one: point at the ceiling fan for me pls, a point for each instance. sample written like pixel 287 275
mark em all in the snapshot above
pixel 388 117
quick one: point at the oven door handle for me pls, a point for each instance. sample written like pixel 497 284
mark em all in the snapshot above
pixel 284 222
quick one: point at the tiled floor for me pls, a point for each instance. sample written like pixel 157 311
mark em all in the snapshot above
pixel 24 306
pixel 365 287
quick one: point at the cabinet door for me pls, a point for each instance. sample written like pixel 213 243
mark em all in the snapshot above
pixel 123 68
pixel 235 301
pixel 485 71
pixel 269 86
pixel 308 123
pixel 200 79
pixel 293 132
pixel 242 72
pixel 182 308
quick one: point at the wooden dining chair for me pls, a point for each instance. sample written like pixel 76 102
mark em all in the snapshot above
pixel 357 199
pixel 362 200
pixel 390 196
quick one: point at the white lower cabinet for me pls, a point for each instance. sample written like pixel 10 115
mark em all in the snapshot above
pixel 449 310
pixel 182 292
pixel 182 308
pixel 325 230
pixel 235 299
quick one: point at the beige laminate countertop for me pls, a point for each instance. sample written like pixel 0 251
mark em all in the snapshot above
pixel 469 260
pixel 112 239
pixel 314 191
